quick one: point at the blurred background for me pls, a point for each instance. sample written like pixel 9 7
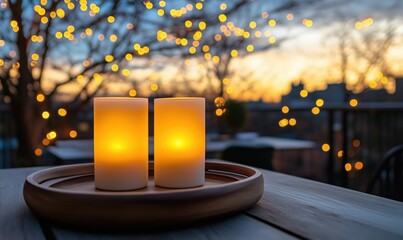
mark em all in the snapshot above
pixel 324 72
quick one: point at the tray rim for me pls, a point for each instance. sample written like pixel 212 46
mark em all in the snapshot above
pixel 110 210
pixel 31 180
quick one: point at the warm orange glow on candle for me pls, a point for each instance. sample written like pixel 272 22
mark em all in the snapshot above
pixel 121 143
pixel 179 142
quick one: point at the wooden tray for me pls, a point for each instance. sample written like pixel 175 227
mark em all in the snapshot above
pixel 67 195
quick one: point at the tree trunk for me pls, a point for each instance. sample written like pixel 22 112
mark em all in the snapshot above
pixel 26 111
pixel 29 127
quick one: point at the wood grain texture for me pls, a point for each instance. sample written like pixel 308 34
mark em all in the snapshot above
pixel 67 195
pixel 305 208
pixel 320 211
pixel 237 227
pixel 16 221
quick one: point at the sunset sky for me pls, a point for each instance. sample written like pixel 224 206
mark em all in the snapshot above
pixel 303 48
pixel 307 54
pixel 311 56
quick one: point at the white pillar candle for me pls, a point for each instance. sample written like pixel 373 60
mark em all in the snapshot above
pixel 179 142
pixel 120 143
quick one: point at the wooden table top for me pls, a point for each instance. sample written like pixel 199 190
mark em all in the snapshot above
pixel 291 208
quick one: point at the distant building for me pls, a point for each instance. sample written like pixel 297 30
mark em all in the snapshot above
pixel 374 95
pixel 294 97
pixel 398 95
pixel 337 93
pixel 334 93
pixel 381 95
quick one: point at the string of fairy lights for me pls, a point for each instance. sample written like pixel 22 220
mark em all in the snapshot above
pixel 192 42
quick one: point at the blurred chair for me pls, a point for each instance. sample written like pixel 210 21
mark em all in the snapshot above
pixel 256 156
pixel 388 180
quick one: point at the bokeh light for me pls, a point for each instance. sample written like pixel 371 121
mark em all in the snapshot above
pixel 325 147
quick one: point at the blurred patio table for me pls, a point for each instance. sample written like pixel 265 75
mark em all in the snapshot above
pixel 290 208
pixel 74 151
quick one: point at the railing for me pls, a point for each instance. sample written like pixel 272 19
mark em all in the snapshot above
pixel 357 136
